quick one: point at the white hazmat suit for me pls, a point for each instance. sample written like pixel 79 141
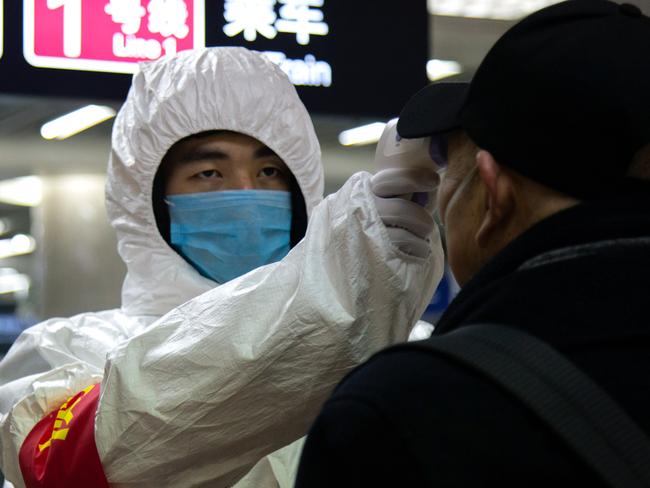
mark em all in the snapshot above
pixel 200 382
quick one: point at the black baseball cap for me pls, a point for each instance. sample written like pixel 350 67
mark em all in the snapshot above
pixel 563 97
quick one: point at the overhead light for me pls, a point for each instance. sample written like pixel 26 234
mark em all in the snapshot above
pixel 360 136
pixel 26 191
pixel 16 246
pixel 437 69
pixel 75 122
pixel 487 9
pixel 11 281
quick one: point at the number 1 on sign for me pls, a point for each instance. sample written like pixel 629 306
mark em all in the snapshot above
pixel 71 25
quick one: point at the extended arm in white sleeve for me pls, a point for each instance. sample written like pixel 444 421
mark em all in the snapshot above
pixel 240 371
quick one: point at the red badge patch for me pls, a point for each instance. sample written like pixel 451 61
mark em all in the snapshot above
pixel 60 450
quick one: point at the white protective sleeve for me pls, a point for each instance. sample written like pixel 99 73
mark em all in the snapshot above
pixel 47 364
pixel 212 387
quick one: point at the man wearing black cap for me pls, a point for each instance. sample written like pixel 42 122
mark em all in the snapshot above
pixel 546 208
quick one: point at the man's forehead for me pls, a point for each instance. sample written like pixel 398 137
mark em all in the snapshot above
pixel 220 145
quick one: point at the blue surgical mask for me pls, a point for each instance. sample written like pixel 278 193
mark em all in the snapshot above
pixel 225 234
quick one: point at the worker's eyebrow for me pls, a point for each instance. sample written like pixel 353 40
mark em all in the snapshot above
pixel 202 154
pixel 206 153
pixel 264 152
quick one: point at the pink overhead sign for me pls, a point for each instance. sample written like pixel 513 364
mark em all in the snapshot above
pixel 109 35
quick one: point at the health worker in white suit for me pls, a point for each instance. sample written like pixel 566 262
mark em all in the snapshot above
pixel 237 319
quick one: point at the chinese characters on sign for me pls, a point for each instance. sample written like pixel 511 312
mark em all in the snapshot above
pixel 251 17
pixel 300 18
pixel 109 35
pixel 297 17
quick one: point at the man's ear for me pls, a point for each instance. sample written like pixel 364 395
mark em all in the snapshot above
pixel 499 197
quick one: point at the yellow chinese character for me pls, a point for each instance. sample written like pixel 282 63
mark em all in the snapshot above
pixel 64 415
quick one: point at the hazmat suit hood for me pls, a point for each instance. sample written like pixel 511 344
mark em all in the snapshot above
pixel 225 88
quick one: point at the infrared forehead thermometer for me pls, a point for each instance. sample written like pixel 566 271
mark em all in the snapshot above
pixel 424 154
pixel 395 152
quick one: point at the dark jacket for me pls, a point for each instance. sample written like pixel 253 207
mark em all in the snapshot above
pixel 579 280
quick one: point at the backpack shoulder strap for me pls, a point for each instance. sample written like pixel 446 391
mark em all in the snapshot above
pixel 566 399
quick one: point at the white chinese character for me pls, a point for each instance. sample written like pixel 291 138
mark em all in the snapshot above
pixel 167 17
pixel 129 13
pixel 298 18
pixel 250 17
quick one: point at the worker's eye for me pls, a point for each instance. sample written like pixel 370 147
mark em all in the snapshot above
pixel 270 172
pixel 208 174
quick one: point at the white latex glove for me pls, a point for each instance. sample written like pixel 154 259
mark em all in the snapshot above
pixel 405 199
